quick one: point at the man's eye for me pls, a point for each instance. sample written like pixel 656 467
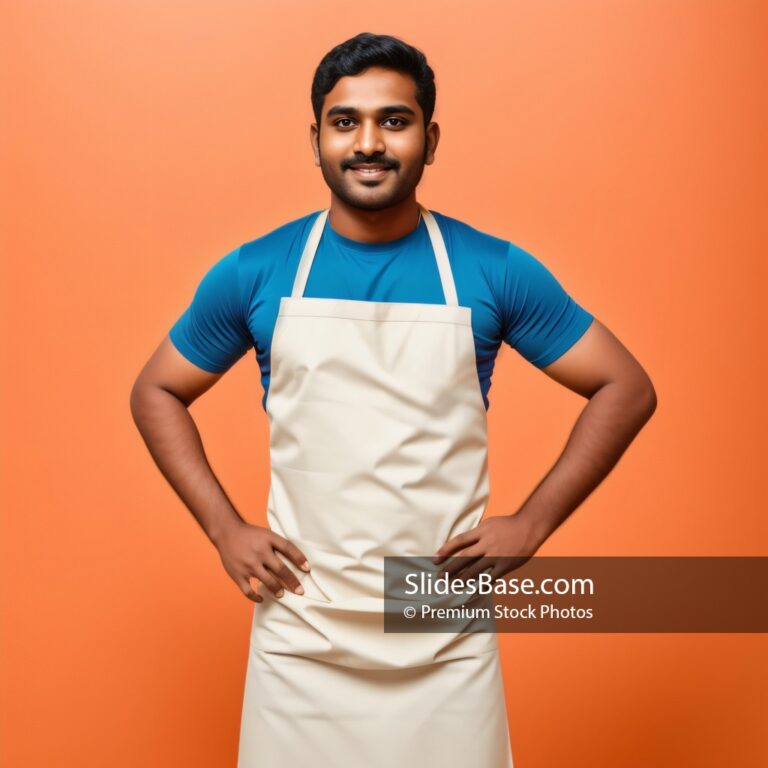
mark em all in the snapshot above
pixel 348 122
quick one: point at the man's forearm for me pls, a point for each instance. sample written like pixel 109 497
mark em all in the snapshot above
pixel 173 440
pixel 605 428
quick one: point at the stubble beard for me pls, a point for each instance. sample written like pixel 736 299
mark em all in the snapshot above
pixel 342 187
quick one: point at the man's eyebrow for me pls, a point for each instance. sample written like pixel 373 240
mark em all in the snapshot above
pixel 390 110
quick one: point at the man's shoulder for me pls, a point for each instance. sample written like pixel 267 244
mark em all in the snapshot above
pixel 467 238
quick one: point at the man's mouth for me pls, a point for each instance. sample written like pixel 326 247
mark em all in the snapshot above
pixel 369 170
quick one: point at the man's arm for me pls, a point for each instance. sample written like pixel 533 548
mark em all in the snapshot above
pixel 166 387
pixel 621 400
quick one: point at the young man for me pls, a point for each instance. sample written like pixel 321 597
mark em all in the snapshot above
pixel 376 325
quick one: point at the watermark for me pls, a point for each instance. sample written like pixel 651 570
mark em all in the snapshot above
pixel 577 594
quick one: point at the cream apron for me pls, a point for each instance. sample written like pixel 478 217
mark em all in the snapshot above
pixel 377 447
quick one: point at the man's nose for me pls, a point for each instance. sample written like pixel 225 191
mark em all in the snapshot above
pixel 368 139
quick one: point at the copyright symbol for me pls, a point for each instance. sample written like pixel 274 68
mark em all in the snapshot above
pixel 409 612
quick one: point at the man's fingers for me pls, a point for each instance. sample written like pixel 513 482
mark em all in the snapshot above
pixel 291 551
pixel 269 580
pixel 455 544
pixel 484 563
pixel 461 561
pixel 250 592
pixel 284 573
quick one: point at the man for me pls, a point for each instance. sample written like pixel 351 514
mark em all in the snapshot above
pixel 376 324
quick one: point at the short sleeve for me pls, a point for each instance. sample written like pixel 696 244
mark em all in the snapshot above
pixel 212 332
pixel 541 321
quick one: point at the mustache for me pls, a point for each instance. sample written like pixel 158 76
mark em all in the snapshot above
pixel 383 159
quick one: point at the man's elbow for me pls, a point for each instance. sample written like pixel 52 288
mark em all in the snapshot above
pixel 143 399
pixel 136 401
pixel 644 396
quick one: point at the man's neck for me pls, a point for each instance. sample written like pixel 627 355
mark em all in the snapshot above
pixel 374 226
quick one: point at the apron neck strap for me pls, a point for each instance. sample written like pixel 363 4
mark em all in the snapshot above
pixel 435 236
pixel 308 255
pixel 441 256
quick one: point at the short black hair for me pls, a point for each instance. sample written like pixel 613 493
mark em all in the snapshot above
pixel 366 50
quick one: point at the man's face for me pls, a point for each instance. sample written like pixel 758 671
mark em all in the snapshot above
pixel 373 121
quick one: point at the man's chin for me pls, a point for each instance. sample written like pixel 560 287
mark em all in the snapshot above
pixel 372 202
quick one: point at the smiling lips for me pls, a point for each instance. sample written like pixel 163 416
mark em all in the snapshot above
pixel 370 170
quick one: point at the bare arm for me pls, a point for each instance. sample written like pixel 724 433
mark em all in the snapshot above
pixel 166 387
pixel 161 395
pixel 621 399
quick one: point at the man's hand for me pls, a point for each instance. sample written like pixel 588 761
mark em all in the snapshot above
pixel 500 544
pixel 250 551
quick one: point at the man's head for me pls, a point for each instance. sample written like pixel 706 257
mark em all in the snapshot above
pixel 373 97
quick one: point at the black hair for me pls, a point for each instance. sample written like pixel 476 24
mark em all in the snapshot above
pixel 366 50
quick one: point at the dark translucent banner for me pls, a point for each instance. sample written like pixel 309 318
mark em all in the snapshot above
pixel 577 594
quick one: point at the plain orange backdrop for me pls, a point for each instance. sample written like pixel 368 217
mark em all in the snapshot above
pixel 622 143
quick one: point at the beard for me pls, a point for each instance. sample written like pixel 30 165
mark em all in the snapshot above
pixel 372 195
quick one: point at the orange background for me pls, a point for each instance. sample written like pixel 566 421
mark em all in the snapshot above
pixel 622 143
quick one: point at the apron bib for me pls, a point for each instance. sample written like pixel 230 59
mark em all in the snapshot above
pixel 378 447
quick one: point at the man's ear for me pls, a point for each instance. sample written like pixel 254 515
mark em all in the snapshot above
pixel 433 138
pixel 314 138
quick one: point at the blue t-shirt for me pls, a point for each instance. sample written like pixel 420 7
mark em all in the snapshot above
pixel 514 298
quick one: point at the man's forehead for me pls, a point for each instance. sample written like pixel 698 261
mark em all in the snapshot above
pixel 372 89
